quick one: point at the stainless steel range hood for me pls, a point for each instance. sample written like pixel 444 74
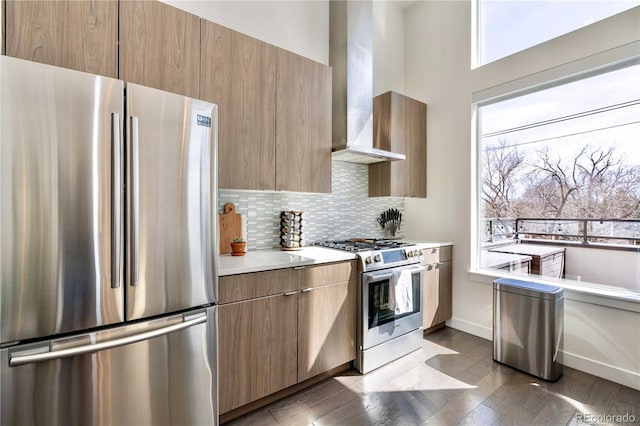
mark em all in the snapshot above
pixel 351 56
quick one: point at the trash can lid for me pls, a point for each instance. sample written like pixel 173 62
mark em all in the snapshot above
pixel 529 288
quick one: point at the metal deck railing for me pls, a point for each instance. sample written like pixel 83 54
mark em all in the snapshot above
pixel 612 233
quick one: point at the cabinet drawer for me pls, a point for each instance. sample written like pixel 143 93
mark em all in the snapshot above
pixel 436 255
pixel 234 288
pixel 332 273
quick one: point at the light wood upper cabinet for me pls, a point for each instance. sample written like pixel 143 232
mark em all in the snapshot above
pixel 399 125
pixel 326 328
pixel 160 47
pixel 303 124
pixel 238 73
pixel 81 35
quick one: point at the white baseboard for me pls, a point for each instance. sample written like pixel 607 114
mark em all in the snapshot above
pixel 600 369
pixel 597 368
pixel 471 328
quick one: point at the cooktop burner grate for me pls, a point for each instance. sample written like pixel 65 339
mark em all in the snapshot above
pixel 363 245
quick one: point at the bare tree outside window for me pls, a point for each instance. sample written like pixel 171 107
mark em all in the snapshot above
pixel 592 183
pixel 500 165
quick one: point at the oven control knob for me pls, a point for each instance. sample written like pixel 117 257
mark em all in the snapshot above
pixel 410 253
pixel 377 258
pixel 367 260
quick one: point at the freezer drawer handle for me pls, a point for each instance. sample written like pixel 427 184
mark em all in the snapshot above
pixel 17 359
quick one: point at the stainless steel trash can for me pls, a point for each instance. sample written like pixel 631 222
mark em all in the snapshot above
pixel 528 327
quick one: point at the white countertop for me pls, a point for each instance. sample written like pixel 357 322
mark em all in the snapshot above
pixel 428 244
pixel 264 260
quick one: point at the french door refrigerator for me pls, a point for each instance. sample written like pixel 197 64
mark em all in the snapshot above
pixel 107 260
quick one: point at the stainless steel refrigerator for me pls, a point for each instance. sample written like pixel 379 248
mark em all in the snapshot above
pixel 108 272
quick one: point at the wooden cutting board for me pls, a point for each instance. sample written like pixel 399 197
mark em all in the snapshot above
pixel 230 227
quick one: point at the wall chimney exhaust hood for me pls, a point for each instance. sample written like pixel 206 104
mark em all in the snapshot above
pixel 351 56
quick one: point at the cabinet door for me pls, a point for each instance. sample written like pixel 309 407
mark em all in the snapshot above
pixel 257 349
pixel 326 328
pixel 430 297
pixel 239 74
pixel 81 35
pixel 436 303
pixel 303 125
pixel 446 290
pixel 160 47
pixel 399 125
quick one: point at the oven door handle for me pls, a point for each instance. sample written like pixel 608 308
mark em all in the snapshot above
pixel 372 277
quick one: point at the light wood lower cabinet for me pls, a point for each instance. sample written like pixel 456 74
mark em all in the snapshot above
pixel 437 289
pixel 272 341
pixel 326 328
pixel 258 349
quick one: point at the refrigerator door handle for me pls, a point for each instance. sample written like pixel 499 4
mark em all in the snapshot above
pixel 116 206
pixel 206 213
pixel 135 200
pixel 35 355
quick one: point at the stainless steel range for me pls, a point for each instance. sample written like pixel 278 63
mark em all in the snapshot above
pixel 389 299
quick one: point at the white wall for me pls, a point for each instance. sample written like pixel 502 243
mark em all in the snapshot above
pixel 301 27
pixel 601 340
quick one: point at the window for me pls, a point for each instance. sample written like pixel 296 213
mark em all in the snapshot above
pixel 507 27
pixel 560 176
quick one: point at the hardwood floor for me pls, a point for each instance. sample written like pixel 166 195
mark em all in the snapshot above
pixel 452 380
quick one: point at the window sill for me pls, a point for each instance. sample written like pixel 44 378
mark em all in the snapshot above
pixel 618 299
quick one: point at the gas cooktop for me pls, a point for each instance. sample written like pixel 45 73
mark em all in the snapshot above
pixel 361 244
pixel 377 254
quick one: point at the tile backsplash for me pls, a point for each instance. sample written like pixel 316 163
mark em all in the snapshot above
pixel 347 212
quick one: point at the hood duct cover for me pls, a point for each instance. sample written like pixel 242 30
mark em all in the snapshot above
pixel 351 56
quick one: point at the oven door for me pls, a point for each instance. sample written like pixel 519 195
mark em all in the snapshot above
pixel 380 322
